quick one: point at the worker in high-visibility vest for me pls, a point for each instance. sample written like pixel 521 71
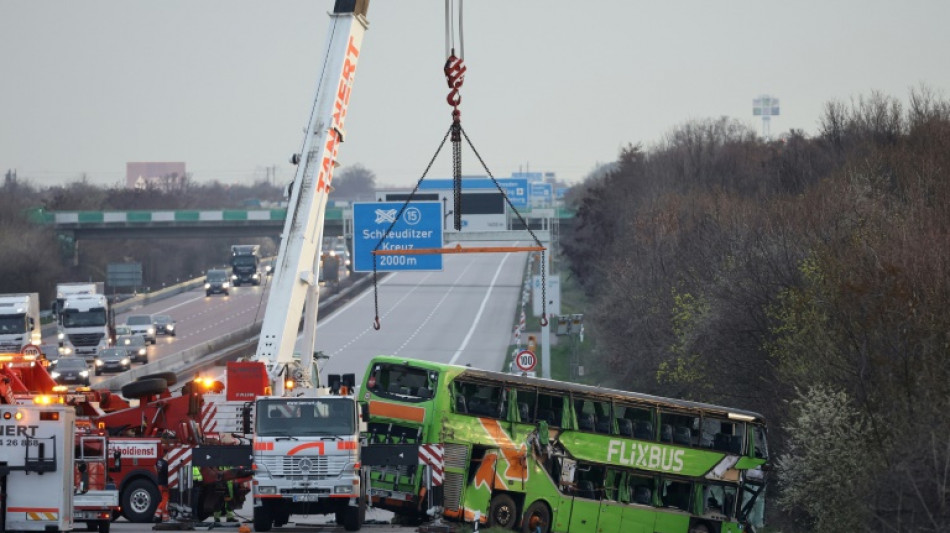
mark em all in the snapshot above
pixel 226 508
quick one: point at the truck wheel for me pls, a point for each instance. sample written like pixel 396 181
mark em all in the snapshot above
pixel 170 377
pixel 144 387
pixel 262 519
pixel 104 526
pixel 353 516
pixel 139 500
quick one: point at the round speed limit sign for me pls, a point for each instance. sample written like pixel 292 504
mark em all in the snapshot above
pixel 525 360
pixel 33 350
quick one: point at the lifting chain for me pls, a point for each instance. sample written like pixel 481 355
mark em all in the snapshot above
pixel 455 76
pixel 454 70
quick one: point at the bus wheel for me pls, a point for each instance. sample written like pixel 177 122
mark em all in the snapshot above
pixel 537 514
pixel 503 512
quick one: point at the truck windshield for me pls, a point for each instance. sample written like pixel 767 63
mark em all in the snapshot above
pixel 302 418
pixel 12 323
pixel 77 319
pixel 244 260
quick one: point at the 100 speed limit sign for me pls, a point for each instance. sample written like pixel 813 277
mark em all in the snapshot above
pixel 525 360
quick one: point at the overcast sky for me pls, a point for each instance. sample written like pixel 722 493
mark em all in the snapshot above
pixel 552 85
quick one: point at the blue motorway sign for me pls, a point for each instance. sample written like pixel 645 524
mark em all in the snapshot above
pixel 420 226
pixel 560 192
pixel 516 189
pixel 541 193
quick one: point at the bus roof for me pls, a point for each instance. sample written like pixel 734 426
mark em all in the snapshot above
pixel 658 401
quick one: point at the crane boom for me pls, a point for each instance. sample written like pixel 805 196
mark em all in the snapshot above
pixel 295 274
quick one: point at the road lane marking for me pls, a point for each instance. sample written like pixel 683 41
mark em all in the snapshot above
pixel 481 309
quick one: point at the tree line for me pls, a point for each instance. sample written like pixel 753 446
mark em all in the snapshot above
pixel 35 258
pixel 805 278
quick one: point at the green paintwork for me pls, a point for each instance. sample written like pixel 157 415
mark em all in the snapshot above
pixel 507 443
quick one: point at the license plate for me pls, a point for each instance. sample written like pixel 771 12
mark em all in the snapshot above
pixel 306 497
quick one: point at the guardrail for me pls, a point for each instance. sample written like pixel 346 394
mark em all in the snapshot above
pixel 219 348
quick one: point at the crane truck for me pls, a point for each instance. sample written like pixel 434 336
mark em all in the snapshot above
pixel 306 451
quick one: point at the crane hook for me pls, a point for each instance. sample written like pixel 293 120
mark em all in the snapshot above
pixel 544 320
pixel 376 323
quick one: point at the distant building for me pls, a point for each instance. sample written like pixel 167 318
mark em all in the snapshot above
pixel 158 175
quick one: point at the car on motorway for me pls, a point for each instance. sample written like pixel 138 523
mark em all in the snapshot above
pixel 122 329
pixel 135 346
pixel 143 325
pixel 70 371
pixel 217 282
pixel 164 325
pixel 112 360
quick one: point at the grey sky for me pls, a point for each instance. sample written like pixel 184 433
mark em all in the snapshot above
pixel 553 85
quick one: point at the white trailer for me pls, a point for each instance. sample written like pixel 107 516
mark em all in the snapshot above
pixel 65 290
pixel 19 321
pixel 36 467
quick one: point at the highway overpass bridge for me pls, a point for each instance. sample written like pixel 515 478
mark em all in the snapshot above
pixel 214 223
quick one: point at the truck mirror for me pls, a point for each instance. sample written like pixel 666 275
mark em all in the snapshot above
pixel 116 461
pixel 334 382
pixel 364 412
pixel 349 381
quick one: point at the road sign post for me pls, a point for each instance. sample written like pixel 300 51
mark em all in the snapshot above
pixel 525 361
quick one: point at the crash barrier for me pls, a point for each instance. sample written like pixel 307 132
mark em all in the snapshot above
pixel 220 347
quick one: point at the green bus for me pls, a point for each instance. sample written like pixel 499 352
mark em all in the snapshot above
pixel 520 451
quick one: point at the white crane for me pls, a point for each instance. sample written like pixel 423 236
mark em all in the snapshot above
pixel 295 272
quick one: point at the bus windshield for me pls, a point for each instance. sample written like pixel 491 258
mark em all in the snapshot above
pixel 305 417
pixel 401 382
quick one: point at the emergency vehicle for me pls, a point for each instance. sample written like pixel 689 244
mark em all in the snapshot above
pixel 36 458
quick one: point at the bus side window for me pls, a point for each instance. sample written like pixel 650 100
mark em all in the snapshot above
pixel 640 490
pixel 633 421
pixel 759 442
pixel 592 415
pixel 680 429
pixel 526 400
pixel 674 494
pixel 551 409
pixel 482 400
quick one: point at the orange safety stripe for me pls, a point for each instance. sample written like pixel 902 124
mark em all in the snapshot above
pixel 306 446
pixel 459 250
pixel 32 509
pixel 393 410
